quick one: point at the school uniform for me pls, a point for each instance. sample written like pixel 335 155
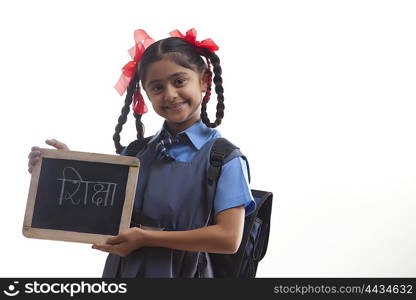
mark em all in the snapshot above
pixel 172 194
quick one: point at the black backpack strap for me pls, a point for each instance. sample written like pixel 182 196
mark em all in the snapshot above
pixel 248 167
pixel 137 146
pixel 222 151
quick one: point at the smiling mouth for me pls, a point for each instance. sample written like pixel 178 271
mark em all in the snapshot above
pixel 176 106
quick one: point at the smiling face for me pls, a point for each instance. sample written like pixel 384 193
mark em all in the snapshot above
pixel 175 93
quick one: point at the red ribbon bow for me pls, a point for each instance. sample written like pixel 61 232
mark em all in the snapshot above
pixel 143 40
pixel 191 38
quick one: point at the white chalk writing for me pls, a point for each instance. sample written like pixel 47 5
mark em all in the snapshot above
pixel 73 185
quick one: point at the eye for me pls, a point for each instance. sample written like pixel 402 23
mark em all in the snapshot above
pixel 156 88
pixel 180 81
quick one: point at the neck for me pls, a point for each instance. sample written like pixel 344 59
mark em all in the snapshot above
pixel 175 128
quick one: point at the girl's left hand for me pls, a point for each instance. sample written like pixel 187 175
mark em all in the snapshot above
pixel 124 243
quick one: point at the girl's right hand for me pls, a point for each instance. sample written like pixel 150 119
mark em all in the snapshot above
pixel 34 155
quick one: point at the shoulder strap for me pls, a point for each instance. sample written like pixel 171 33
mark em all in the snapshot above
pixel 137 146
pixel 222 151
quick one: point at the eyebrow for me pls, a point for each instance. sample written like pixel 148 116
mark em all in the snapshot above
pixel 173 75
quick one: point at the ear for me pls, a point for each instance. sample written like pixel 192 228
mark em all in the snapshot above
pixel 205 81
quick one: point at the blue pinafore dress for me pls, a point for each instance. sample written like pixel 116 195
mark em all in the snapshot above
pixel 171 195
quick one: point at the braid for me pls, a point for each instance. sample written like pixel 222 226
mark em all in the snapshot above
pixel 208 91
pixel 124 112
pixel 215 60
pixel 139 126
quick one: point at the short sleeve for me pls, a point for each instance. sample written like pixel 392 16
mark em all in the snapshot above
pixel 233 187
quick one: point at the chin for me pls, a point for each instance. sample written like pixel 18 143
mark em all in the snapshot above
pixel 178 120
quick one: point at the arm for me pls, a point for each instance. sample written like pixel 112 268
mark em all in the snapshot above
pixel 223 237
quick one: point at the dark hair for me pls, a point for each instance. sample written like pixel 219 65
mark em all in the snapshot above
pixel 184 54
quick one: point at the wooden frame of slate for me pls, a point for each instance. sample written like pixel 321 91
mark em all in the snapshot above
pixel 80 197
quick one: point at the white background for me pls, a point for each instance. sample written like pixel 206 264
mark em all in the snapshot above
pixel 320 96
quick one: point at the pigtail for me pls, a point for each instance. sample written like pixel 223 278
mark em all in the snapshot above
pixel 139 126
pixel 215 60
pixel 123 117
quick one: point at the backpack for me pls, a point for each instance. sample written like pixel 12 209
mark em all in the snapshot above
pixel 243 263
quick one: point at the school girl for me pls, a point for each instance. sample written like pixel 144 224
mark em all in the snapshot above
pixel 171 233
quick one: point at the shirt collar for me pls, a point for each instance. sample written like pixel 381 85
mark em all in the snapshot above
pixel 198 134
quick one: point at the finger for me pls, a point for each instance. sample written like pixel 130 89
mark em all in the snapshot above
pixel 35 148
pixel 33 161
pixel 34 153
pixel 103 247
pixel 57 144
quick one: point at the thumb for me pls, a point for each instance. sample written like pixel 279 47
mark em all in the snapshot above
pixel 115 240
pixel 57 144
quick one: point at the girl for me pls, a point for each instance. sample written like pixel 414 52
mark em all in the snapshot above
pixel 172 232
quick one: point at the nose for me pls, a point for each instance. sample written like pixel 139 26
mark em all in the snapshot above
pixel 171 94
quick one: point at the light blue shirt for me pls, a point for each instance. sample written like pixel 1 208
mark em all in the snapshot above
pixel 233 186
